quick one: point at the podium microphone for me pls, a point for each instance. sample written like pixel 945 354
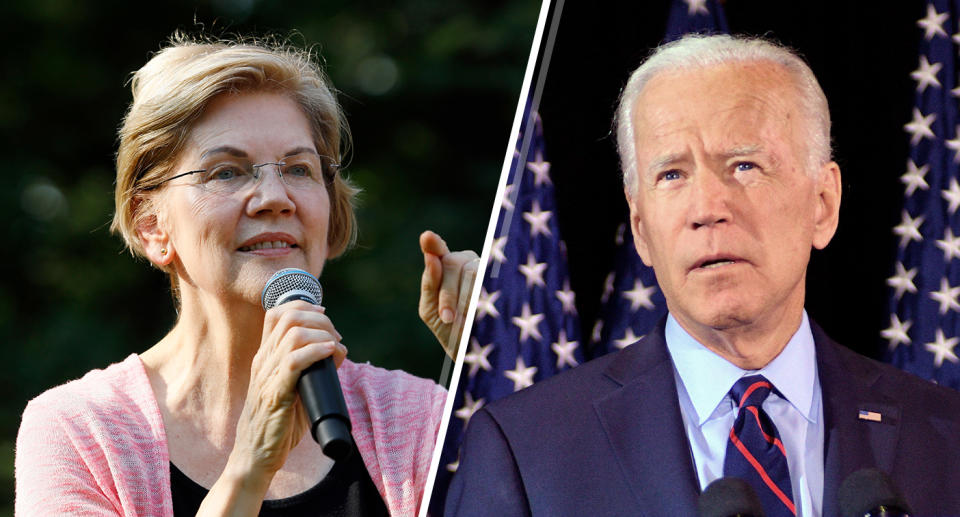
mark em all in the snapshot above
pixel 729 497
pixel 870 493
pixel 319 386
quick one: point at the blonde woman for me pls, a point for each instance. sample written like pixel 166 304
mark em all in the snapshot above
pixel 227 171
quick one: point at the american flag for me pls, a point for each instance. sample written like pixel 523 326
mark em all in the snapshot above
pixel 631 303
pixel 526 326
pixel 924 323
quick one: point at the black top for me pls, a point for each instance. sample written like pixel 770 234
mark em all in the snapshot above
pixel 347 490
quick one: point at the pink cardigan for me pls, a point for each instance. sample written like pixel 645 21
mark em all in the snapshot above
pixel 97 446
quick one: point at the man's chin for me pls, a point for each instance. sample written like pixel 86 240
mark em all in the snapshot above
pixel 722 315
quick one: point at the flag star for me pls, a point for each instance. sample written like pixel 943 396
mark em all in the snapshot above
pixel 528 323
pixel 696 6
pixel 497 249
pixel 628 339
pixel 942 348
pixel 955 92
pixel 507 201
pixel 540 170
pixel 956 38
pixel 522 375
pixel 950 245
pixel 564 350
pixel 477 357
pixel 926 74
pixel 954 145
pixel 909 229
pixel 902 280
pixel 919 127
pixel 896 333
pixel 452 467
pixel 485 304
pixel 914 177
pixel 470 407
pixel 607 287
pixel 597 330
pixel 538 220
pixel 567 298
pixel 640 295
pixel 952 195
pixel 533 271
pixel 932 24
pixel 946 297
pixel 618 240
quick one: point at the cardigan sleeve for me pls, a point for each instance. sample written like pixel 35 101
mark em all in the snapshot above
pixel 94 446
pixel 52 475
pixel 395 419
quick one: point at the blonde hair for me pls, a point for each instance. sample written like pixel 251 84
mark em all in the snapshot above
pixel 173 89
pixel 699 51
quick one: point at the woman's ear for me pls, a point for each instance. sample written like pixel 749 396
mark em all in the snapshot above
pixel 154 239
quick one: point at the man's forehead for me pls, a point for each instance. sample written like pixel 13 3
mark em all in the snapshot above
pixel 723 87
pixel 737 106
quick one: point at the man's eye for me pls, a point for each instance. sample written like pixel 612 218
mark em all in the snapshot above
pixel 745 166
pixel 670 175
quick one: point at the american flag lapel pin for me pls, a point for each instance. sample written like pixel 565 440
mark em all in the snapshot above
pixel 871 416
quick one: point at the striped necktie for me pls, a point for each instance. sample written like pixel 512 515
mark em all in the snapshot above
pixel 755 453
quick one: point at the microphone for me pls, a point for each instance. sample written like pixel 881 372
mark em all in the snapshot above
pixel 319 386
pixel 871 493
pixel 729 497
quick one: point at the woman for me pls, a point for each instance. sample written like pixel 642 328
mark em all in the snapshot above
pixel 227 171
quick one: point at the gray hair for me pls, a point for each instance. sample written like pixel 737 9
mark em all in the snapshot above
pixel 699 51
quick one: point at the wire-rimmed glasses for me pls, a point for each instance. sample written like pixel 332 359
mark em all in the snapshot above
pixel 228 174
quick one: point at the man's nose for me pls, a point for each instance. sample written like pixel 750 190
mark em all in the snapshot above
pixel 710 198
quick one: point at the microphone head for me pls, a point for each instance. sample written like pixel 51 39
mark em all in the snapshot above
pixel 727 497
pixel 870 492
pixel 291 284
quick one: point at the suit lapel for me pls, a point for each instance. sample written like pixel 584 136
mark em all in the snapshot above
pixel 644 427
pixel 853 438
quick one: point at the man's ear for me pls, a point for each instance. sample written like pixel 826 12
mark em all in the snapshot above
pixel 636 227
pixel 827 214
pixel 154 239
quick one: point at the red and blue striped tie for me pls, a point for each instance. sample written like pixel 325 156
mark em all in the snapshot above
pixel 755 453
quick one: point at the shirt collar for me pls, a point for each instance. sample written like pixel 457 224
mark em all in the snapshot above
pixel 707 377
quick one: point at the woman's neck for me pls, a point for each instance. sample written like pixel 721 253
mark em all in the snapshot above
pixel 200 370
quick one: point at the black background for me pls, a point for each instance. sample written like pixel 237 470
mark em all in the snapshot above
pixel 861 54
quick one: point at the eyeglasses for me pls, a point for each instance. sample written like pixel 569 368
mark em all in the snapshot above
pixel 228 174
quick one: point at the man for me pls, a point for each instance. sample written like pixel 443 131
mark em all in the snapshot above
pixel 724 144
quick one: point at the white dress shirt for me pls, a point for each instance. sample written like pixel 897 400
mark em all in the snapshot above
pixel 704 380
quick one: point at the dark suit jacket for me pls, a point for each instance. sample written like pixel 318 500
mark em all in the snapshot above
pixel 607 438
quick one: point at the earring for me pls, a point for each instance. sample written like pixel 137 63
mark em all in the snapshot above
pixel 163 251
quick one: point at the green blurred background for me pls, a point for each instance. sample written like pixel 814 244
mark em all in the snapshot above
pixel 430 89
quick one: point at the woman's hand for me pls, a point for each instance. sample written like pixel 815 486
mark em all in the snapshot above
pixel 445 289
pixel 272 422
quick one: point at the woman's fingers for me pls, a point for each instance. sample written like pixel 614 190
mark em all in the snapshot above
pixel 431 243
pixel 295 335
pixel 446 287
pixel 452 286
pixel 430 290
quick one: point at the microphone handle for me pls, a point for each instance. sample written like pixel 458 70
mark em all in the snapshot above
pixel 320 394
pixel 322 397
